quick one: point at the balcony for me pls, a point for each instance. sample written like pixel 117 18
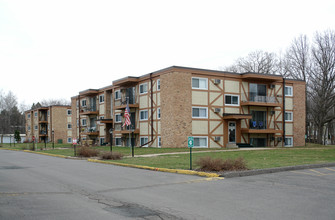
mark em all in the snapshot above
pixel 270 101
pixel 129 129
pixel 259 127
pixel 122 103
pixel 91 131
pixel 89 111
pixel 43 133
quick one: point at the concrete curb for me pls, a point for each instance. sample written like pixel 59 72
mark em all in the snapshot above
pixel 273 170
pixel 188 172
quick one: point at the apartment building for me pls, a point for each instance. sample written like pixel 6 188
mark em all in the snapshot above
pixel 49 124
pixel 219 109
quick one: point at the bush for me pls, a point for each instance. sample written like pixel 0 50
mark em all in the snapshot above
pixel 218 164
pixel 111 156
pixel 87 152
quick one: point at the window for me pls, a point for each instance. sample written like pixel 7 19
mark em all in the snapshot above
pixel 28 128
pixel 288 91
pixel 118 118
pixel 143 88
pixel 289 142
pixel 200 142
pixel 288 116
pixel 102 117
pixel 101 98
pixel 159 143
pixel 83 122
pixel 143 115
pixel 159 113
pixel 232 100
pixel 144 140
pixel 199 112
pixel 35 114
pixel 69 112
pixel 117 95
pixel 118 141
pixel 199 83
pixel 28 115
pixel 35 127
pixel 69 140
pixel 102 141
pixel 69 126
pixel 83 103
pixel 158 84
pixel 257 92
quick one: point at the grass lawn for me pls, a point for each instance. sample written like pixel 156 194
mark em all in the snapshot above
pixel 257 159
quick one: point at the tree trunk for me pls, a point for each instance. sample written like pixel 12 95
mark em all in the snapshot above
pixel 320 134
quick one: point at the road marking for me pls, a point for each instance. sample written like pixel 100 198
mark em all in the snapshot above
pixel 301 172
pixel 315 171
pixel 329 169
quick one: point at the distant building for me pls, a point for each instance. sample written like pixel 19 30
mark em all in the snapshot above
pixel 43 121
pixel 218 109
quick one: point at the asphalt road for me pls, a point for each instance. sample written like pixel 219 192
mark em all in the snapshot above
pixel 41 187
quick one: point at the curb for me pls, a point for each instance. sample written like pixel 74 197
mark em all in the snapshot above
pixel 34 152
pixel 273 170
pixel 188 172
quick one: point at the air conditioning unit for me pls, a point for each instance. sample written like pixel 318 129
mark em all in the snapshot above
pixel 217 138
pixel 272 112
pixel 279 139
pixel 217 110
pixel 217 81
pixel 272 86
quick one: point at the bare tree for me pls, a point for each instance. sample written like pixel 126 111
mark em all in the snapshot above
pixel 257 62
pixel 54 102
pixel 321 86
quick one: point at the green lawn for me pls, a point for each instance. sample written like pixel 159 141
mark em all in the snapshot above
pixel 311 154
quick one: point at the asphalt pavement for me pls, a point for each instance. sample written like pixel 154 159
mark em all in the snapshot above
pixel 42 187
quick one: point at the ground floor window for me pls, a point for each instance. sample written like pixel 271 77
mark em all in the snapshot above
pixel 69 140
pixel 159 144
pixel 258 142
pixel 102 141
pixel 118 141
pixel 200 142
pixel 144 140
pixel 289 142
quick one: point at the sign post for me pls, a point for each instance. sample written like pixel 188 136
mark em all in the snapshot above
pixel 33 143
pixel 74 142
pixel 190 142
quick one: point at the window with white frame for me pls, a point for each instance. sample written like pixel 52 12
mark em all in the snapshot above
pixel 288 141
pixel 35 114
pixel 199 112
pixel 200 142
pixel 158 84
pixel 232 100
pixel 118 118
pixel 117 94
pixel 143 115
pixel 69 140
pixel 143 141
pixel 101 98
pixel 28 128
pixel 28 115
pixel 159 113
pixel 159 143
pixel 35 127
pixel 69 126
pixel 199 83
pixel 102 117
pixel 118 141
pixel 288 116
pixel 69 112
pixel 143 88
pixel 83 103
pixel 83 122
pixel 288 91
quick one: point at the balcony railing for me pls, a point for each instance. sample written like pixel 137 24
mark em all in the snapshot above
pixel 43 132
pixel 128 128
pixel 89 109
pixel 269 100
pixel 257 124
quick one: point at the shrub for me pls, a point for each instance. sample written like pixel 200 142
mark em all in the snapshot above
pixel 218 164
pixel 87 152
pixel 111 156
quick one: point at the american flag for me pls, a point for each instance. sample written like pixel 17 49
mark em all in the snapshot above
pixel 127 116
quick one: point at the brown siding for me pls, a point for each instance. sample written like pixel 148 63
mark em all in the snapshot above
pixel 176 98
pixel 299 114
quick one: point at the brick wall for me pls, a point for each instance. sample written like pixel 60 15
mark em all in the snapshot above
pixel 299 113
pixel 176 119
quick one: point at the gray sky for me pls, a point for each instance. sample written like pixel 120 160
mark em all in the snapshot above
pixel 54 49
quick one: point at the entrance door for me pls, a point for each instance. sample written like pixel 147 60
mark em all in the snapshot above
pixel 232 132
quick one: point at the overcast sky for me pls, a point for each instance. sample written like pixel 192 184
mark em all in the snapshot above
pixel 54 49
